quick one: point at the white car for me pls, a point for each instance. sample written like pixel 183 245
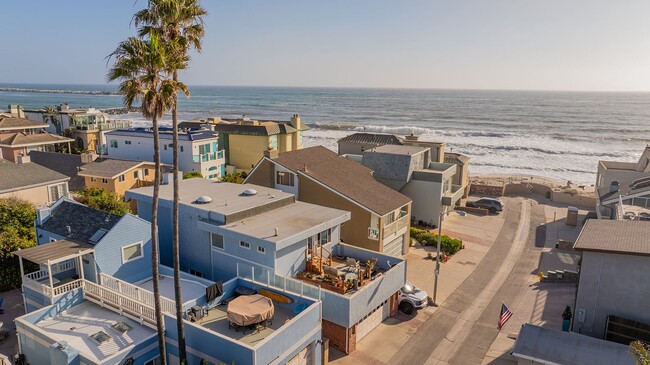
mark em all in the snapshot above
pixel 411 298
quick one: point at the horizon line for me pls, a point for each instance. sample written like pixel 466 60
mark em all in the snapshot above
pixel 2 84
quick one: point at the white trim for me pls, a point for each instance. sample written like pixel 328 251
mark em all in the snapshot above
pixel 261 250
pixel 241 244
pixel 49 194
pixel 534 359
pixel 132 258
pixel 152 359
pixel 241 259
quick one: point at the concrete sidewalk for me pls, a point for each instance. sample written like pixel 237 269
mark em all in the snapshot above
pixel 13 308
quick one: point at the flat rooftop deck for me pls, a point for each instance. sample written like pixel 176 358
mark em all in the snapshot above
pixel 190 290
pixel 78 323
pixel 217 321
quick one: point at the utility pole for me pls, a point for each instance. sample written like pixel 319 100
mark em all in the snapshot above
pixel 437 272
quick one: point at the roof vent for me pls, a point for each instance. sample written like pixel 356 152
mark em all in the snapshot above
pixel 203 199
pixel 250 192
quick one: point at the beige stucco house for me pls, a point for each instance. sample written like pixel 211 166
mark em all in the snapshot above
pixel 32 182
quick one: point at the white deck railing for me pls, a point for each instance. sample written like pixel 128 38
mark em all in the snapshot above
pixel 37 275
pixel 107 297
pixel 64 288
pixel 36 285
pixel 137 293
pixel 396 226
pixel 272 280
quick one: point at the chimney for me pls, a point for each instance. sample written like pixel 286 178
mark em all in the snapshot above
pixel 88 157
pixel 295 121
pixel 271 153
pixel 24 159
pixel 42 214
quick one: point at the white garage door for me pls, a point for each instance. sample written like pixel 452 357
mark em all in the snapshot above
pixel 373 320
pixel 394 247
pixel 303 357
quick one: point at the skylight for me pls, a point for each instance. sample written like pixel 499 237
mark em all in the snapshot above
pixel 121 327
pixel 101 337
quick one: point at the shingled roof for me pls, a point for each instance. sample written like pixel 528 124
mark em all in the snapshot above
pixel 614 236
pixel 344 176
pixel 9 123
pixel 21 176
pixel 372 138
pixel 23 139
pixel 67 164
pixel 78 222
pixel 262 129
pixel 109 168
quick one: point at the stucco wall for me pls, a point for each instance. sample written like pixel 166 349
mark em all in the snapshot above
pixel 37 196
pixel 263 175
pixel 427 197
pixel 246 151
pixel 611 284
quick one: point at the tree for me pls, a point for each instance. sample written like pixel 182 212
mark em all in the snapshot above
pixel 140 67
pixel 179 23
pixel 16 232
pixel 236 178
pixel 641 352
pixel 98 198
pixel 52 116
pixel 192 175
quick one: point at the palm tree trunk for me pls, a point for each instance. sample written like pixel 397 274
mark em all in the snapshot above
pixel 154 244
pixel 182 354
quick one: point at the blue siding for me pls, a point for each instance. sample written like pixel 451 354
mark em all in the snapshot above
pixel 35 352
pixel 291 260
pixel 108 251
pixel 165 236
pixel 43 236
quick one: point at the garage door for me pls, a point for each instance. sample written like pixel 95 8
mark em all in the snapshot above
pixel 394 247
pixel 373 320
pixel 304 357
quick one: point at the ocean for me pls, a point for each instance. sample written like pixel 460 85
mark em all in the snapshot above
pixel 559 135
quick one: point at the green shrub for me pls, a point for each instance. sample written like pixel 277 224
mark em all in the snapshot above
pixel 192 175
pixel 416 231
pixel 447 244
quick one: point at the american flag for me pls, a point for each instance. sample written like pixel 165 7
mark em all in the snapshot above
pixel 504 316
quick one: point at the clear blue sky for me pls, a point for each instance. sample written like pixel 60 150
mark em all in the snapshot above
pixel 491 44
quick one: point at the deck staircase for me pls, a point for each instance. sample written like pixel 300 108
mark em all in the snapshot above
pixel 315 259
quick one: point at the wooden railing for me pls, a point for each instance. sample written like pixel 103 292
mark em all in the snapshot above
pixel 396 226
pixel 58 290
pixel 4 360
pixel 37 275
pixel 37 286
pixel 63 266
pixel 107 297
pixel 137 293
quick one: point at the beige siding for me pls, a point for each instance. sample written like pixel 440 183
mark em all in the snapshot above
pixel 37 196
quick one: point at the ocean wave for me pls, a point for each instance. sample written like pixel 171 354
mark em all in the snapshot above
pixel 532 168
pixel 542 150
pixel 407 130
pixel 56 91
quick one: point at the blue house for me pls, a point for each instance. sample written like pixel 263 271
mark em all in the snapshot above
pixel 264 235
pixel 88 294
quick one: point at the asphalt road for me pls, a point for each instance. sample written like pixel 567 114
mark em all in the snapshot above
pixel 463 327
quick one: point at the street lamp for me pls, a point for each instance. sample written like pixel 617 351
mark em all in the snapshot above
pixel 437 272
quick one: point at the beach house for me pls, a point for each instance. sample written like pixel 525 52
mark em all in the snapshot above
pixel 88 126
pixel 89 299
pixel 409 170
pixel 612 299
pixel 197 150
pixel 358 143
pixel 623 188
pixel 32 182
pixel 245 140
pixel 19 136
pixel 381 216
pixel 267 237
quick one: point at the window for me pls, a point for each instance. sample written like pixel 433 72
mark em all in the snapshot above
pixel 154 361
pixel 245 245
pixel 273 142
pixel 325 237
pixel 93 179
pixel 196 273
pixel 136 174
pixel 127 142
pixel 120 178
pixel 217 240
pixel 181 148
pixel 284 178
pixel 390 218
pixel 403 211
pixel 310 243
pixel 146 172
pixel 132 252
pixel 104 181
pixel 113 143
pixel 57 191
pixel 165 147
pixel 261 249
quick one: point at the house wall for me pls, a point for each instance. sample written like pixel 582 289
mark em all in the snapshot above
pixel 38 195
pixel 353 232
pixel 427 198
pixel 245 151
pixel 108 251
pixel 130 181
pixel 348 148
pixel 286 188
pixel 600 292
pixel 12 154
pixel 264 175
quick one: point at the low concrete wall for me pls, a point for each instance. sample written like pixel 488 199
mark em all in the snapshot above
pixel 477 211
pixel 527 188
pixel 490 190
pixel 548 193
pixel 576 200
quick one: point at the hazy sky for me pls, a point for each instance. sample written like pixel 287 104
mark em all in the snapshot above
pixel 493 44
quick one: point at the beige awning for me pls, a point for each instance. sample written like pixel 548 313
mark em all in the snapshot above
pixel 54 252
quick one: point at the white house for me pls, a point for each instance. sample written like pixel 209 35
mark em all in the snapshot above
pixel 197 151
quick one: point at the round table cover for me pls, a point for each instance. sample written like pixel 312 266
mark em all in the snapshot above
pixel 250 309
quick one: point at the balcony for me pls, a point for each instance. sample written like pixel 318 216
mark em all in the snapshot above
pixel 395 226
pixel 207 157
pixel 453 195
pixel 104 126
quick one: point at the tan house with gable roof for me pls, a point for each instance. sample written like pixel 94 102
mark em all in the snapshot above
pixel 380 216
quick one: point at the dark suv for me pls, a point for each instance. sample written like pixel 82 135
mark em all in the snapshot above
pixel 493 205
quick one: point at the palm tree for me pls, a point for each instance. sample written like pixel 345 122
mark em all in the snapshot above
pixel 51 116
pixel 179 23
pixel 641 352
pixel 141 69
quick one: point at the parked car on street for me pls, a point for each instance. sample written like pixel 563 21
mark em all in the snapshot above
pixel 411 298
pixel 493 205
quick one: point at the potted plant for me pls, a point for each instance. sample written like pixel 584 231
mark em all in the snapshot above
pixel 566 319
